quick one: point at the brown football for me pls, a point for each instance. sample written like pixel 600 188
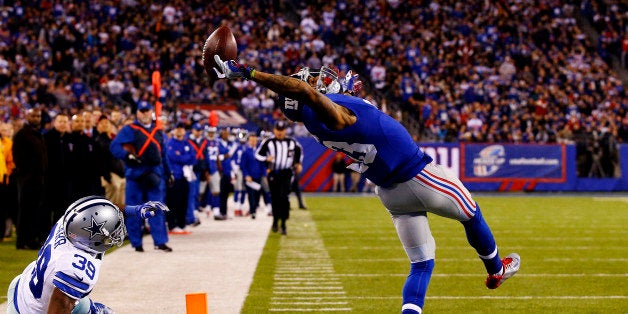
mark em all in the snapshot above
pixel 221 42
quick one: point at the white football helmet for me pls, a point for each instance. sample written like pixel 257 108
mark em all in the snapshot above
pixel 242 135
pixel 94 224
pixel 326 79
pixel 212 132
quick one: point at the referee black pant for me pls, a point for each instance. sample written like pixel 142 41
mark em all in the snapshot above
pixel 280 184
pixel 226 187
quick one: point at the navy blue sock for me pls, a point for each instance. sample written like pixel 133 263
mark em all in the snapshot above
pixel 266 196
pixel 416 286
pixel 242 197
pixel 236 197
pixel 481 239
pixel 215 201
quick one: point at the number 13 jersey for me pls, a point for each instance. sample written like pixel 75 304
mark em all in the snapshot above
pixel 381 147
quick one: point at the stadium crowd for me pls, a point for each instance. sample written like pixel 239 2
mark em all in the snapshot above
pixel 474 71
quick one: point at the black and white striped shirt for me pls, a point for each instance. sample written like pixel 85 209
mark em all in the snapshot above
pixel 285 153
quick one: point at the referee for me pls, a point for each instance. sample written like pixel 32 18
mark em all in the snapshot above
pixel 283 155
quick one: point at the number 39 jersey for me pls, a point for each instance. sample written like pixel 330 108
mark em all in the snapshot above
pixel 59 264
pixel 381 147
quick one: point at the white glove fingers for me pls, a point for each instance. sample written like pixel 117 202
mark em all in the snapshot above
pixel 218 74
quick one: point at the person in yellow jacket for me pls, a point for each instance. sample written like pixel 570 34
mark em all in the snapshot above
pixel 8 208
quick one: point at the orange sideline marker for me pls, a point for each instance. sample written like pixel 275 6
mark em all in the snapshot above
pixel 196 303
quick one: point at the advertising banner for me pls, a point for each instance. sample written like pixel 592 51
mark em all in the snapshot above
pixel 499 162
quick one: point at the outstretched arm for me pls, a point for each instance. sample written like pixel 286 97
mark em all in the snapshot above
pixel 331 114
pixel 146 210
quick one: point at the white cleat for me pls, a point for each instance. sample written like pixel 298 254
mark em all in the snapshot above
pixel 510 267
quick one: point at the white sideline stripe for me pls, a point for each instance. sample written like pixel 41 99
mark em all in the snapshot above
pixel 476 275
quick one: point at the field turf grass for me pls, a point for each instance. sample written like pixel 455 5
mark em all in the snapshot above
pixel 343 255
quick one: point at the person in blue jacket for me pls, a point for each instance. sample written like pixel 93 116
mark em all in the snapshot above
pixel 253 172
pixel 409 183
pixel 212 175
pixel 226 150
pixel 182 159
pixel 141 146
pixel 198 142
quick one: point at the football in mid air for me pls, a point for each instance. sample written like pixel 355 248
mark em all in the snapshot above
pixel 221 42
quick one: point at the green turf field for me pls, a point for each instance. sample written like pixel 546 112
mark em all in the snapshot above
pixel 343 255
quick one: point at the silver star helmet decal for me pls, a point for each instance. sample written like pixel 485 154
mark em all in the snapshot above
pixel 95 229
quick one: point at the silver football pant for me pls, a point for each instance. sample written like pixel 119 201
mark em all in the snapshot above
pixel 435 190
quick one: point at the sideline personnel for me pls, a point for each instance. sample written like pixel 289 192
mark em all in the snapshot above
pixel 141 146
pixel 283 154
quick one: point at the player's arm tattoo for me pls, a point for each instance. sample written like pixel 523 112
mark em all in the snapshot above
pixel 334 116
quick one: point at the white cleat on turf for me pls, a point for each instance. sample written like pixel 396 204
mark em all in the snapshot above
pixel 510 267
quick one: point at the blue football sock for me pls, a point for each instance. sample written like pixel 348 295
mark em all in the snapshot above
pixel 242 197
pixel 266 196
pixel 236 197
pixel 481 239
pixel 416 286
pixel 215 201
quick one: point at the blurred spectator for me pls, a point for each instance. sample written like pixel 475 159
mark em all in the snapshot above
pixel 198 143
pixel 338 168
pixel 31 161
pixel 182 159
pixel 8 186
pixel 3 186
pixel 112 179
pixel 253 171
pixel 59 151
pixel 85 159
pixel 250 103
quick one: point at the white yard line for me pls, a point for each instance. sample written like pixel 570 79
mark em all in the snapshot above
pixel 305 268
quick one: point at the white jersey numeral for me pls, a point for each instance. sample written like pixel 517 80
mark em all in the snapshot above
pixel 363 154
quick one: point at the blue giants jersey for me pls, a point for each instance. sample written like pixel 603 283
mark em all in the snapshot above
pixel 381 147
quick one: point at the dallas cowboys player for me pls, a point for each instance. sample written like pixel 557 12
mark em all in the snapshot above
pixel 409 183
pixel 68 264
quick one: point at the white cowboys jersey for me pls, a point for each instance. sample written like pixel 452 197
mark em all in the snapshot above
pixel 59 264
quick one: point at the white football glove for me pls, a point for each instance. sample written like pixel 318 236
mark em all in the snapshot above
pixel 151 208
pixel 231 69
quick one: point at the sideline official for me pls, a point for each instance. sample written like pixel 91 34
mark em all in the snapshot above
pixel 283 155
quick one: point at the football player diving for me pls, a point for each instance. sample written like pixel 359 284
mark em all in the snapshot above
pixel 409 183
pixel 68 264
